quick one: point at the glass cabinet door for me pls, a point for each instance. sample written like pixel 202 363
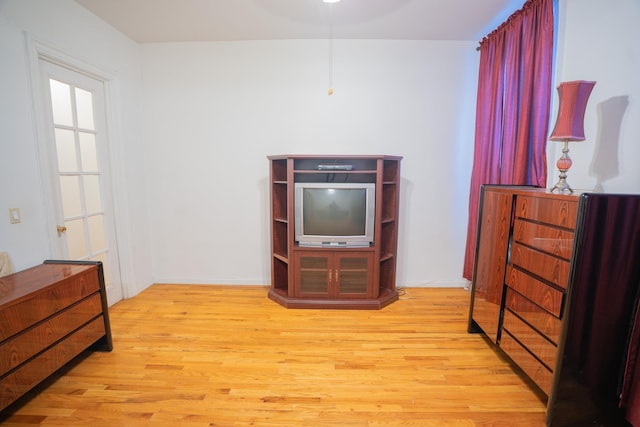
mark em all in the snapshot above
pixel 313 275
pixel 331 274
pixel 353 274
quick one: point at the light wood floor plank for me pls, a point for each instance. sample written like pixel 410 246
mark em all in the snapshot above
pixel 193 355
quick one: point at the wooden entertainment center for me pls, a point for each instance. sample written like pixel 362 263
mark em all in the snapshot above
pixel 334 277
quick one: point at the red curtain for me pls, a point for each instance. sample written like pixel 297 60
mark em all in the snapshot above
pixel 512 109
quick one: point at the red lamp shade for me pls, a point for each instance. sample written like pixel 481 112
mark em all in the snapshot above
pixel 573 102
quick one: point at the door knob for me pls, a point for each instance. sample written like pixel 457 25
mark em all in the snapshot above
pixel 61 229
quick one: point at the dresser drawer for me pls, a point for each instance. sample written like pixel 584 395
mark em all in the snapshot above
pixel 559 212
pixel 21 347
pixel 552 240
pixel 531 339
pixel 539 292
pixel 533 314
pixel 27 312
pixel 550 268
pixel 529 364
pixel 28 375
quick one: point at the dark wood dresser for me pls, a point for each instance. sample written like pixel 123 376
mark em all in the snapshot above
pixel 555 287
pixel 49 314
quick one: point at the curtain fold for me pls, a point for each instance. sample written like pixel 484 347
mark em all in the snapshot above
pixel 512 108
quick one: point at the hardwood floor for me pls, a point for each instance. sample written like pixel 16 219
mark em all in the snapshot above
pixel 187 355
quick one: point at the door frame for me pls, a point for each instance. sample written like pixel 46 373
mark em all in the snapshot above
pixel 37 51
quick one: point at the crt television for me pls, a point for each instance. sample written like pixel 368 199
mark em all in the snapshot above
pixel 334 214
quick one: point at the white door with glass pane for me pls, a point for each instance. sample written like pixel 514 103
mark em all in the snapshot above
pixel 81 196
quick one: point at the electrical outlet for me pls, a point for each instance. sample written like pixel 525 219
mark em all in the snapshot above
pixel 14 215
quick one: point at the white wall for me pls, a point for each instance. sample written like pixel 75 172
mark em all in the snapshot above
pixel 74 32
pixel 197 120
pixel 216 110
pixel 20 185
pixel 599 41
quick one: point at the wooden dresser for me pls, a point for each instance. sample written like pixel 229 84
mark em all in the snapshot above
pixel 48 315
pixel 543 262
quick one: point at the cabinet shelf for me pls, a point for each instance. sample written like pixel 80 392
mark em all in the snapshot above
pixel 385 257
pixel 281 258
pixel 334 172
pixel 334 277
pixel 331 249
pixel 336 176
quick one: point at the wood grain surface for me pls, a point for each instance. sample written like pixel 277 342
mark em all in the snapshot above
pixel 197 355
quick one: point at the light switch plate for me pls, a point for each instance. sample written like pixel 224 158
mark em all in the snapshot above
pixel 14 215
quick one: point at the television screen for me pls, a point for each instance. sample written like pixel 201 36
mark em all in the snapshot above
pixel 334 212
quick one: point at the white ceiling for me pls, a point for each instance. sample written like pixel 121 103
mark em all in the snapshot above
pixel 151 21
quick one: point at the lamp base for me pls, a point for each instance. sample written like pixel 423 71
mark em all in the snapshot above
pixel 563 163
pixel 562 185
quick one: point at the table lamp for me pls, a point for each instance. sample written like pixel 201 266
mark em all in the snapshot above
pixel 570 124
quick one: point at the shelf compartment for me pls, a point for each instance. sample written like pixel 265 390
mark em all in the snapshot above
pixel 357 164
pixel 280 274
pixel 389 201
pixel 387 275
pixel 390 171
pixel 279 202
pixel 279 238
pixel 388 237
pixel 279 170
pixel 336 177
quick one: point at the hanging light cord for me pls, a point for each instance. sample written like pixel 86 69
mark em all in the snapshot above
pixel 330 91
